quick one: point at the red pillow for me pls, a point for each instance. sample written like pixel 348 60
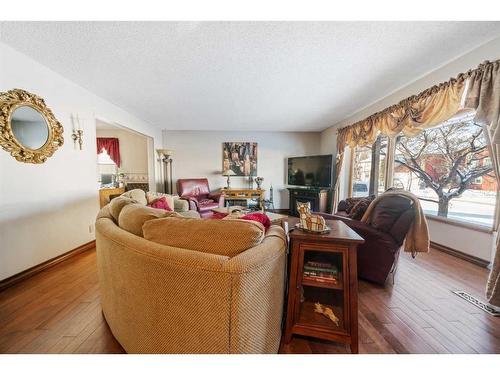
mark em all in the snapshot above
pixel 259 217
pixel 161 203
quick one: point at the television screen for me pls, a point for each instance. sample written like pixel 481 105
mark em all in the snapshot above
pixel 313 171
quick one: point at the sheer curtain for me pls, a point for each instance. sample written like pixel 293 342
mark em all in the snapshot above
pixel 484 96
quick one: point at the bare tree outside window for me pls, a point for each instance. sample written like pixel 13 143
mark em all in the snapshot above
pixel 448 160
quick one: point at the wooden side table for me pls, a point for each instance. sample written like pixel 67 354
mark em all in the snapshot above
pixel 339 249
pixel 104 194
pixel 244 194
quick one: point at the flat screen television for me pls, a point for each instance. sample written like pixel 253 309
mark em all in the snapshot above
pixel 310 171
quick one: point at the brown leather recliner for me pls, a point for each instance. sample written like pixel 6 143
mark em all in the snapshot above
pixel 197 193
pixel 378 255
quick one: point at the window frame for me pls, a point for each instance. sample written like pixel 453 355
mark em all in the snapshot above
pixel 386 169
pixel 389 180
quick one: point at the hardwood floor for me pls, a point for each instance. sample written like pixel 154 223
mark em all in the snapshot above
pixel 58 311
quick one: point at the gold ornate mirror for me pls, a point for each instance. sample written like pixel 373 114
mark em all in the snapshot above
pixel 28 129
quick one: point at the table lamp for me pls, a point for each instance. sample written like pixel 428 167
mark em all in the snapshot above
pixel 228 173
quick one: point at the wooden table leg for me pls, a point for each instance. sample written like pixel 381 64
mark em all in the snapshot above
pixel 292 291
pixel 353 291
pixel 355 347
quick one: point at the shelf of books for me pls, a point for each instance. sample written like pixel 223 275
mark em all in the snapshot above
pixel 322 284
pixel 323 271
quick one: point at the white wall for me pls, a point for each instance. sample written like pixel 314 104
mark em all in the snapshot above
pixel 471 242
pixel 133 150
pixel 199 154
pixel 46 210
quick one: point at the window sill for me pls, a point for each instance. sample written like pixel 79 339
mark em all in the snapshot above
pixel 457 223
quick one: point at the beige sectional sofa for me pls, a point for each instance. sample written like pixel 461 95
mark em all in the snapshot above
pixel 171 284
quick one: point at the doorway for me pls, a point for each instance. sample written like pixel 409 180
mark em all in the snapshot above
pixel 125 160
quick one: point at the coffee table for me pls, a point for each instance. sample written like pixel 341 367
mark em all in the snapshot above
pixel 276 219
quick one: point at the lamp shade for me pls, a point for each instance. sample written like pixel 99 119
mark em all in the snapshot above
pixel 228 172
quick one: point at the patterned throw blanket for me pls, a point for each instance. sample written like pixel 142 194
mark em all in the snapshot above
pixel 417 238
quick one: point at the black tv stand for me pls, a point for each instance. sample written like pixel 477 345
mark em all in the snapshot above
pixel 319 198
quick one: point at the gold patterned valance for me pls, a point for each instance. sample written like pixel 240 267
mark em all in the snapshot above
pixel 483 95
pixel 413 114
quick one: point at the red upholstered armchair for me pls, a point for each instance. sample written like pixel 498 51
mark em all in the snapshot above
pixel 197 193
pixel 378 255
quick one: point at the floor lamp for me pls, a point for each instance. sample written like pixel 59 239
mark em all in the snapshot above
pixel 165 157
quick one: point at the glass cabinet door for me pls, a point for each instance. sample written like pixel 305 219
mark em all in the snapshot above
pixel 321 293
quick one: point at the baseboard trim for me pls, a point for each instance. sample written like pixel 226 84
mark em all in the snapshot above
pixel 10 281
pixel 470 258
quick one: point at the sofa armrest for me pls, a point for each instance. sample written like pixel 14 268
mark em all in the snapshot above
pixel 217 197
pixel 371 234
pixel 193 202
pixel 274 245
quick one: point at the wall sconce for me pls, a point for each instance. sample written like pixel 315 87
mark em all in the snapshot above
pixel 77 135
pixel 165 156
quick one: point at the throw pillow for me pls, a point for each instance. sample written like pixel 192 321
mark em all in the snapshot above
pixel 133 216
pixel 222 237
pixel 152 196
pixel 350 203
pixel 161 203
pixel 137 195
pixel 360 208
pixel 258 217
pixel 116 205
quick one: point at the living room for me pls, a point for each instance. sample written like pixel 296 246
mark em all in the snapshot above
pixel 262 187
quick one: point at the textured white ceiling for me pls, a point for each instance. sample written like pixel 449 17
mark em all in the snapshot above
pixel 302 76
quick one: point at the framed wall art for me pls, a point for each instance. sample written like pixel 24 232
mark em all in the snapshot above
pixel 240 157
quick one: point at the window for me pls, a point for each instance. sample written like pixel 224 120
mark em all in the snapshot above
pixel 106 168
pixel 361 170
pixel 448 167
pixel 103 158
pixel 369 169
pixel 478 181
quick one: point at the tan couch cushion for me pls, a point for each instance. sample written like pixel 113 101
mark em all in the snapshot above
pixel 151 197
pixel 116 205
pixel 136 194
pixel 133 217
pixel 189 213
pixel 222 237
